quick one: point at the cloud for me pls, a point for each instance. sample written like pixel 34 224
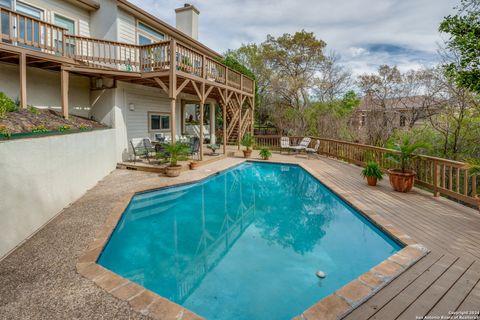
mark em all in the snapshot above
pixel 365 33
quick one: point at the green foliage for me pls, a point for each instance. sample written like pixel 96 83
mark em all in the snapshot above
pixel 6 105
pixel 64 127
pixel 33 110
pixel 406 150
pixel 175 152
pixel 464 43
pixel 39 129
pixel 5 132
pixel 473 166
pixel 372 169
pixel 84 127
pixel 265 153
pixel 247 141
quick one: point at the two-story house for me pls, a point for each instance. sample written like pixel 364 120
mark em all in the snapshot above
pixel 114 62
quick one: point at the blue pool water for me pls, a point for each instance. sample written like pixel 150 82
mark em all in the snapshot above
pixel 244 244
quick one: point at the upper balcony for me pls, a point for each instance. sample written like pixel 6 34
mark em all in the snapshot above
pixel 40 38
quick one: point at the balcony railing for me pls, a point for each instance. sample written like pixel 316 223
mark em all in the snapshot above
pixel 441 176
pixel 21 30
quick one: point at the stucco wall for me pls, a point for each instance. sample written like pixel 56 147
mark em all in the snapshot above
pixel 41 176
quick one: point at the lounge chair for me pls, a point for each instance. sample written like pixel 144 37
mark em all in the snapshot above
pixel 314 150
pixel 284 144
pixel 194 146
pixel 302 146
pixel 142 147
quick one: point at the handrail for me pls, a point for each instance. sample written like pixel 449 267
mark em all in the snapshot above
pixel 442 176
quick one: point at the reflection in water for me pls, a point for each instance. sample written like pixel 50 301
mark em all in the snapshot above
pixel 243 236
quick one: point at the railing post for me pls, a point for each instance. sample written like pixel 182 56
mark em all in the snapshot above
pixel 436 179
pixel 204 67
pixel 241 82
pixel 226 76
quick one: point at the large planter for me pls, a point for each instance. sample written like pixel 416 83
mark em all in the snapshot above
pixel 478 202
pixel 247 153
pixel 173 171
pixel 372 181
pixel 401 181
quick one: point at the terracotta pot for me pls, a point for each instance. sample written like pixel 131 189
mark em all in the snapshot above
pixel 194 165
pixel 247 153
pixel 478 202
pixel 372 181
pixel 266 158
pixel 173 171
pixel 401 181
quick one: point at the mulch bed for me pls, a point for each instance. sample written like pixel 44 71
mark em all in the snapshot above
pixel 26 121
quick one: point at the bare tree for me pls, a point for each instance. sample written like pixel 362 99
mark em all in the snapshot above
pixel 333 79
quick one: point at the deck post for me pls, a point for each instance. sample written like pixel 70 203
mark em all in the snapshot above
pixel 172 87
pixel 436 179
pixel 253 110
pixel 224 129
pixel 23 80
pixel 239 121
pixel 211 110
pixel 64 77
pixel 202 111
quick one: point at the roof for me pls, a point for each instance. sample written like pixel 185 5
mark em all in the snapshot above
pixel 163 26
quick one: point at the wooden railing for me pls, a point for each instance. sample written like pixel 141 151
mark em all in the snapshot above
pixel 25 31
pixel 22 30
pixel 441 176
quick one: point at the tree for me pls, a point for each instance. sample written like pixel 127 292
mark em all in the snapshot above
pixel 333 79
pixel 464 45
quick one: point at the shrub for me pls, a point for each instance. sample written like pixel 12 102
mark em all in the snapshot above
pixel 33 110
pixel 372 169
pixel 265 153
pixel 5 132
pixel 40 128
pixel 175 152
pixel 6 105
pixel 63 128
pixel 247 141
pixel 84 127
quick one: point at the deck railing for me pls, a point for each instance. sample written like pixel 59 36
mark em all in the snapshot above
pixel 441 176
pixel 34 34
pixel 25 31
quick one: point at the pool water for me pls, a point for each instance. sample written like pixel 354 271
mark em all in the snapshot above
pixel 245 243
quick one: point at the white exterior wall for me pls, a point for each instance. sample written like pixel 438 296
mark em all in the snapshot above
pixel 126 27
pixel 103 21
pixel 41 176
pixel 66 9
pixel 43 88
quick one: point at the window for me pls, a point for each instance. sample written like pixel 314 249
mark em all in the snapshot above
pixel 66 23
pixel 403 120
pixel 28 28
pixel 143 40
pixel 159 121
pixel 5 4
pixel 363 119
pixel 29 10
pixel 150 33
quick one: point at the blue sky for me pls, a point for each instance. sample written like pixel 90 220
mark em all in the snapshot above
pixel 365 33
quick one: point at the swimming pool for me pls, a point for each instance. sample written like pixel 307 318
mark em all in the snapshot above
pixel 245 243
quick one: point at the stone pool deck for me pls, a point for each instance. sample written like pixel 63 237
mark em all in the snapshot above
pixel 39 280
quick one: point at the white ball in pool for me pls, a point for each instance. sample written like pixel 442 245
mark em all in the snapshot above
pixel 321 274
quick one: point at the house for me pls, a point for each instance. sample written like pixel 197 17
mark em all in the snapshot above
pixel 111 61
pixel 402 112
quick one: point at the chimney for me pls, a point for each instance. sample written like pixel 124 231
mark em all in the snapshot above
pixel 187 20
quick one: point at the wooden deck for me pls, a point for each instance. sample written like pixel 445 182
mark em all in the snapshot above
pixel 448 278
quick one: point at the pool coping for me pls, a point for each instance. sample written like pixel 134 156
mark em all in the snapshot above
pixel 335 306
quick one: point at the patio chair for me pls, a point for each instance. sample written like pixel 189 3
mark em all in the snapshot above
pixel 284 144
pixel 138 148
pixel 302 146
pixel 194 146
pixel 160 137
pixel 314 150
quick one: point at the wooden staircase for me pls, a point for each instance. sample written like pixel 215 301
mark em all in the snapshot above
pixel 233 118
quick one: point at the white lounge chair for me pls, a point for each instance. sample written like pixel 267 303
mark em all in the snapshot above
pixel 302 146
pixel 284 144
pixel 314 150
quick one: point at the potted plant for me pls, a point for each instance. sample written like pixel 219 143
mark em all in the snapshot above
pixel 265 153
pixel 474 170
pixel 194 164
pixel 247 142
pixel 373 173
pixel 403 179
pixel 173 153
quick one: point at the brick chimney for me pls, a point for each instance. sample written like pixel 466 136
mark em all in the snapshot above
pixel 187 20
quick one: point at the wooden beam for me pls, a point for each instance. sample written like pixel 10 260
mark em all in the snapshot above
pixel 172 85
pixel 224 112
pixel 239 123
pixel 64 77
pixel 201 130
pixel 209 90
pixel 173 122
pixel 162 85
pixel 222 96
pixel 183 85
pixel 199 94
pixel 229 96
pixel 23 80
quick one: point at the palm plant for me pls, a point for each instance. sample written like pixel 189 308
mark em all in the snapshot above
pixel 406 151
pixel 175 152
pixel 265 153
pixel 247 141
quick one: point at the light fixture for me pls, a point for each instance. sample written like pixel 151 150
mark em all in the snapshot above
pixel 131 106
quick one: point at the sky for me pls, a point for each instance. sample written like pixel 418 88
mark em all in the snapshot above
pixel 364 33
